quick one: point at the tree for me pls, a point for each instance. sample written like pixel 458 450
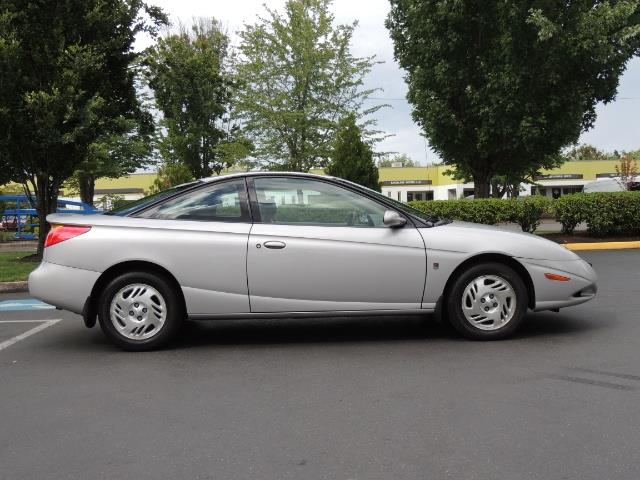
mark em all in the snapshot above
pixel 119 151
pixel 585 152
pixel 627 172
pixel 189 74
pixel 403 158
pixel 66 80
pixel 115 155
pixel 171 174
pixel 498 86
pixel 352 158
pixel 300 79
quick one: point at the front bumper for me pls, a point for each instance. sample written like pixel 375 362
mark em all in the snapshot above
pixel 552 294
pixel 62 287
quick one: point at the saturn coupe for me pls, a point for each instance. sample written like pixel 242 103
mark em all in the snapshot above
pixel 280 245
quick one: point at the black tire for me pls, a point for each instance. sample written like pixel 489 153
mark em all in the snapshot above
pixel 164 334
pixel 454 301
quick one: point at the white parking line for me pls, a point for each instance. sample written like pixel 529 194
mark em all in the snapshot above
pixel 28 333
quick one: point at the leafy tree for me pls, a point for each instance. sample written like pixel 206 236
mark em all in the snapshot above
pixel 403 158
pixel 498 86
pixel 115 155
pixel 193 86
pixel 352 158
pixel 171 174
pixel 585 152
pixel 65 81
pixel 300 79
pixel 627 172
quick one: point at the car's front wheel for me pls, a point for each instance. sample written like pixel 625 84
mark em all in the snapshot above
pixel 140 311
pixel 487 302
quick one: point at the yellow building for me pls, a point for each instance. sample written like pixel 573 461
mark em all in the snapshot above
pixel 432 183
pixel 411 183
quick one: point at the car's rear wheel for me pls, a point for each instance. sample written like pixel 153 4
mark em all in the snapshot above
pixel 487 302
pixel 140 311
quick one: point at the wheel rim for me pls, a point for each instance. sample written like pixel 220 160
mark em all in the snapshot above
pixel 489 302
pixel 138 311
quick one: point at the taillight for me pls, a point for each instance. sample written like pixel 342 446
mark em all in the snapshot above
pixel 60 233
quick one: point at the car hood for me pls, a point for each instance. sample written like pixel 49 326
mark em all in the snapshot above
pixel 476 238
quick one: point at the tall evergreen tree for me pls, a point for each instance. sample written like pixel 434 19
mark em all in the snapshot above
pixel 352 158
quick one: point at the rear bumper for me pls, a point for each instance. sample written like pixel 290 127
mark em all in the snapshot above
pixel 62 287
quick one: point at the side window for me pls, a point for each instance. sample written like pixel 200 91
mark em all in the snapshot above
pixel 294 201
pixel 220 202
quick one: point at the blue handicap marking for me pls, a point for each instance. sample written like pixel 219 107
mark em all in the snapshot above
pixel 26 304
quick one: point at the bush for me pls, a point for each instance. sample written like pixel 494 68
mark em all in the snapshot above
pixel 570 211
pixel 614 213
pixel 488 211
pixel 526 212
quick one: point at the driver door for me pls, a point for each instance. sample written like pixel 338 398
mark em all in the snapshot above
pixel 316 246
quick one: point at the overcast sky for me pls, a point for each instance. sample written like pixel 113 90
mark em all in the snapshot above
pixel 617 127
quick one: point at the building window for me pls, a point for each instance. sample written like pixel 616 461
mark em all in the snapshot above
pixel 399 196
pixel 418 196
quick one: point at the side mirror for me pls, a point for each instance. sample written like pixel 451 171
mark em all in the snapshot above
pixel 393 219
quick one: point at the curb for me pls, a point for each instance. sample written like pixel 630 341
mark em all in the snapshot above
pixel 602 245
pixel 13 287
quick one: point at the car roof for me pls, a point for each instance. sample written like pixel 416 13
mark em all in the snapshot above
pixel 265 174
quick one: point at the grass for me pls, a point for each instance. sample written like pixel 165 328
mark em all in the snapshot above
pixel 13 268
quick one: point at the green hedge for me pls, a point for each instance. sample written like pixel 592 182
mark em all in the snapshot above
pixel 615 213
pixel 525 211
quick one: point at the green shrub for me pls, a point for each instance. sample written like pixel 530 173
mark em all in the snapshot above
pixel 488 211
pixel 610 213
pixel 570 211
pixel 526 212
pixel 616 213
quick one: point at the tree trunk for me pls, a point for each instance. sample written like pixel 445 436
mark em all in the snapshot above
pixel 46 203
pixel 497 190
pixel 481 185
pixel 87 185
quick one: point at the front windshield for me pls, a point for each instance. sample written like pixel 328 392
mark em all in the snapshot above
pixel 149 199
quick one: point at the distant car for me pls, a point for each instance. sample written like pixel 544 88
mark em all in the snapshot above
pixel 258 245
pixel 609 185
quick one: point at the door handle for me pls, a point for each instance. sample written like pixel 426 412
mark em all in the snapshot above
pixel 275 245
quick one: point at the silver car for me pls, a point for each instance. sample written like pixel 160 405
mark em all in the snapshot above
pixel 258 245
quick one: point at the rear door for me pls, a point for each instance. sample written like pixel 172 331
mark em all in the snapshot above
pixel 316 246
pixel 201 238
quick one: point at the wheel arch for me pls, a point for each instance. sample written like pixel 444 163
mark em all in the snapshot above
pixel 499 258
pixel 90 310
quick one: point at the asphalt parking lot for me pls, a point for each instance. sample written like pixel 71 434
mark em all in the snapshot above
pixel 365 398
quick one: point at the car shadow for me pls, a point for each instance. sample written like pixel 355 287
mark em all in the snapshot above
pixel 310 330
pixel 558 324
pixel 360 329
